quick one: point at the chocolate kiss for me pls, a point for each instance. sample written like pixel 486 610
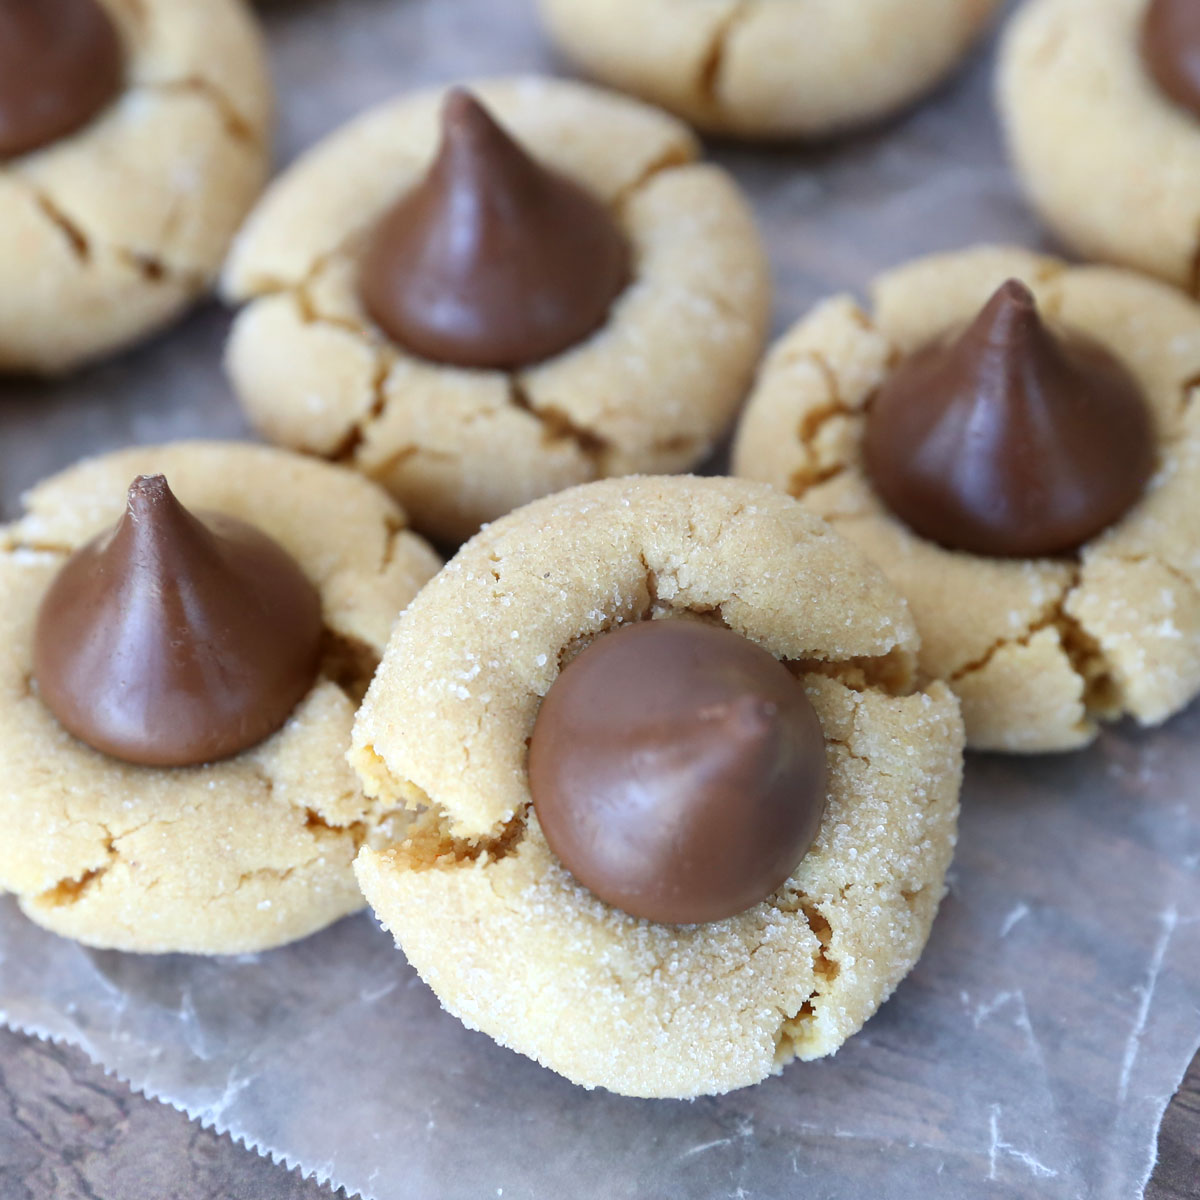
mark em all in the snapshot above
pixel 1009 440
pixel 173 640
pixel 1171 50
pixel 678 771
pixel 60 64
pixel 492 260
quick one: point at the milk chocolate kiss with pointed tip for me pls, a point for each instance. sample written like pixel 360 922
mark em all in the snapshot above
pixel 678 771
pixel 492 260
pixel 1171 50
pixel 174 639
pixel 60 64
pixel 1010 440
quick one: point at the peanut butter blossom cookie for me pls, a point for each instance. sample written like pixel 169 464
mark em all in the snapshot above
pixel 1101 104
pixel 185 632
pixel 680 813
pixel 1013 441
pixel 133 139
pixel 770 68
pixel 478 298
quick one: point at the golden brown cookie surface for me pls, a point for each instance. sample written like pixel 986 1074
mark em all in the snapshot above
pixel 651 390
pixel 508 939
pixel 109 233
pixel 769 68
pixel 1110 162
pixel 233 856
pixel 1038 650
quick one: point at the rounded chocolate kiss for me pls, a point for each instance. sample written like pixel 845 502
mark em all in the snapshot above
pixel 60 64
pixel 1009 440
pixel 678 771
pixel 492 260
pixel 1171 50
pixel 173 640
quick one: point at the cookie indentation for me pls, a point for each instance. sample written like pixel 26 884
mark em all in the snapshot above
pixel 516 946
pixel 1039 650
pixel 221 858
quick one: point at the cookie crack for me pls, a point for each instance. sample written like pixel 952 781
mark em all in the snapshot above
pixel 651 584
pixel 1084 654
pixel 890 673
pixel 1188 391
pixel 35 548
pixel 347 450
pixel 429 845
pixel 310 311
pixel 315 822
pixel 1051 618
pixel 76 888
pixel 154 269
pixel 68 892
pixel 83 247
pixel 825 966
pixel 558 426
pixel 844 745
pixel 279 874
pixel 394 530
pixel 74 236
pixel 669 159
pixel 712 65
pixel 796 1031
pixel 813 423
pixel 236 126
pixel 320 826
pixel 347 662
pixel 1193 276
pixel 1176 573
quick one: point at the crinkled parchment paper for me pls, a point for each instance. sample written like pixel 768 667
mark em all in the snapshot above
pixel 1031 1053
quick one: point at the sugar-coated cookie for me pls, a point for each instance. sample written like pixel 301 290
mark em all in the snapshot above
pixel 1109 159
pixel 112 228
pixel 770 68
pixel 1038 649
pixel 650 389
pixel 510 941
pixel 243 853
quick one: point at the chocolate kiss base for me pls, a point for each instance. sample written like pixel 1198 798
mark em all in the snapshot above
pixel 1171 50
pixel 678 771
pixel 492 261
pixel 172 640
pixel 60 64
pixel 1008 440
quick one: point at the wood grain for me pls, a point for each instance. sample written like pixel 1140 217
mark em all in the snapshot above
pixel 1177 1176
pixel 70 1132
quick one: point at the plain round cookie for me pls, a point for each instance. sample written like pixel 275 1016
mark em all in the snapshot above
pixel 652 390
pixel 110 233
pixel 769 68
pixel 507 939
pixel 1038 651
pixel 235 856
pixel 1108 161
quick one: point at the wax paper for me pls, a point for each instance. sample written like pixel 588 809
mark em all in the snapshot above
pixel 1032 1051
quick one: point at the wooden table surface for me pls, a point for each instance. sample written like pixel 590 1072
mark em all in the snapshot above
pixel 70 1132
